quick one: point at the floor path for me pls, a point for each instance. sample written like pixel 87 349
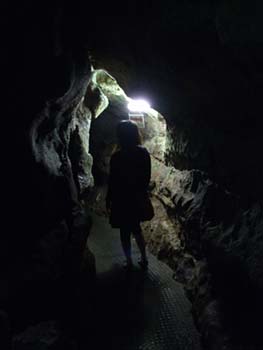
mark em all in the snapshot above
pixel 137 310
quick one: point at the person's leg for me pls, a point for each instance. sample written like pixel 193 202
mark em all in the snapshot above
pixel 125 235
pixel 137 232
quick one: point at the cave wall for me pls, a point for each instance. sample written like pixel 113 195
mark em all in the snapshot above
pixel 47 169
pixel 212 240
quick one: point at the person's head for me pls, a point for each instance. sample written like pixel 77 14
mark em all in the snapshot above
pixel 128 134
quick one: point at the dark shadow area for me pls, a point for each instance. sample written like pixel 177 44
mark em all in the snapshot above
pixel 139 309
pixel 118 316
pixel 110 312
pixel 240 301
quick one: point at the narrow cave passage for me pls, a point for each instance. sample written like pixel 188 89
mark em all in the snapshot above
pixel 137 309
pixel 140 309
pixel 201 63
pixel 62 142
pixel 189 195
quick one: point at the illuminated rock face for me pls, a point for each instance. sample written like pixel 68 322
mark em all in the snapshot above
pixel 95 99
pixel 214 244
pixel 104 127
pixel 60 139
pixel 49 232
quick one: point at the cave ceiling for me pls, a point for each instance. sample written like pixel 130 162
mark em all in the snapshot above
pixel 156 41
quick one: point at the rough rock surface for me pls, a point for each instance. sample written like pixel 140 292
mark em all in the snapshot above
pixel 49 228
pixel 103 132
pixel 213 243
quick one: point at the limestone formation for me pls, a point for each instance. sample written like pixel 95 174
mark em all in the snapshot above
pixel 103 137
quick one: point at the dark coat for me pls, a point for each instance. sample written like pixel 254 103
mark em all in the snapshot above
pixel 130 173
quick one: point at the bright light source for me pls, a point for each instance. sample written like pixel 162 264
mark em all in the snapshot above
pixel 138 106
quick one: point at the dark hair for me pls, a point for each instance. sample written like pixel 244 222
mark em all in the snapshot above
pixel 128 134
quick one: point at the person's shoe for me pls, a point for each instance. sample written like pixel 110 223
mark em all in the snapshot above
pixel 143 263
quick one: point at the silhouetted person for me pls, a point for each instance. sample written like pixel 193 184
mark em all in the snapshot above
pixel 130 173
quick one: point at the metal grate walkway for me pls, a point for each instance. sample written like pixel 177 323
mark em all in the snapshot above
pixel 137 310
